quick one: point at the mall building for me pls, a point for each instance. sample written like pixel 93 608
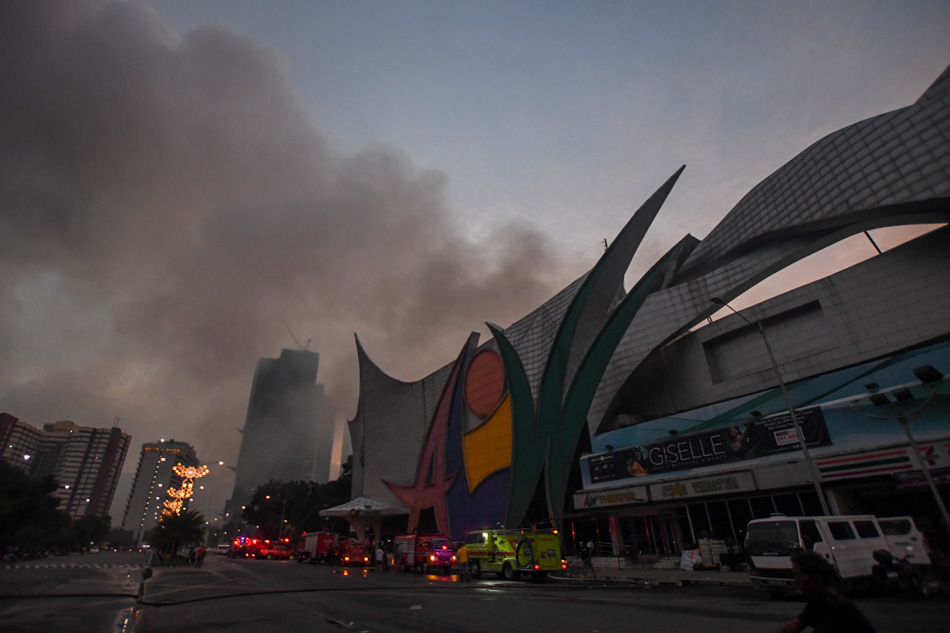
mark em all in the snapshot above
pixel 636 419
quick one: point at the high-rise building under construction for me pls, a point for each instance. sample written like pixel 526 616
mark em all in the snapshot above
pixel 288 430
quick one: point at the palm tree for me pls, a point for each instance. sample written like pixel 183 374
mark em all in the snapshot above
pixel 176 530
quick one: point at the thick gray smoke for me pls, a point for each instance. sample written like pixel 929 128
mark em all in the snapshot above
pixel 165 205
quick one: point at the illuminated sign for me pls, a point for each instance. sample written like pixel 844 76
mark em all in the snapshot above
pixel 636 494
pixel 689 488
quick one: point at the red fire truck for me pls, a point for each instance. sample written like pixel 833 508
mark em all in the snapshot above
pixel 355 553
pixel 319 547
pixel 424 551
pixel 271 549
pixel 245 547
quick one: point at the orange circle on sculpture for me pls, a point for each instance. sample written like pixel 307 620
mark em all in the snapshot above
pixel 485 383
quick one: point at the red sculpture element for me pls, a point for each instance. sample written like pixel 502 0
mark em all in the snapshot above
pixel 431 484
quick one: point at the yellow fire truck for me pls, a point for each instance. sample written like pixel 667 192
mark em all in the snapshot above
pixel 511 553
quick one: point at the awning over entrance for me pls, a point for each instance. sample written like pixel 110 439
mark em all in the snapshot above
pixel 364 512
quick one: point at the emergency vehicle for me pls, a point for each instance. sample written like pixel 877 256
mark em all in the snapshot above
pixel 245 547
pixel 355 553
pixel 424 552
pixel 318 547
pixel 271 549
pixel 511 553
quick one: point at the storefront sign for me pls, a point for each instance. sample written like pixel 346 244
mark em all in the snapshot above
pixel 688 488
pixel 915 479
pixel 756 438
pixel 637 494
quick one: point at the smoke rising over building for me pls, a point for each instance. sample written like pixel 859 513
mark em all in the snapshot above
pixel 288 431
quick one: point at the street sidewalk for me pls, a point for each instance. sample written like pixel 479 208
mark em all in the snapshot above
pixel 609 570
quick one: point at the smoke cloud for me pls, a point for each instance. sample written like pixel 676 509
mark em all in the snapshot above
pixel 166 206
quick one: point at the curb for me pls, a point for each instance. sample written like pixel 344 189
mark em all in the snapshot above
pixel 656 581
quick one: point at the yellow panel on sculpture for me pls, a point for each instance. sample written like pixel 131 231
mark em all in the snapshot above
pixel 488 447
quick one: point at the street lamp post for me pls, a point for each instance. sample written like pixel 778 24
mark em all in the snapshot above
pixel 816 479
pixel 283 509
pixel 925 471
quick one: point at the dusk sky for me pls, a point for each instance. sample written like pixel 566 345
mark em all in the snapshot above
pixel 180 178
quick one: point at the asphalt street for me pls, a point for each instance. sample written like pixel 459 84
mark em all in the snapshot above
pixel 262 596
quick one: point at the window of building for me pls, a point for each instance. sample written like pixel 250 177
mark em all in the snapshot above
pixel 810 503
pixel 762 507
pixel 699 518
pixel 719 520
pixel 741 515
pixel 788 504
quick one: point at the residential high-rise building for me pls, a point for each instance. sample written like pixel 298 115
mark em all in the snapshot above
pixel 85 461
pixel 288 431
pixel 19 442
pixel 153 477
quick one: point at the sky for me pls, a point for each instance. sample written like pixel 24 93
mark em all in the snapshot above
pixel 189 186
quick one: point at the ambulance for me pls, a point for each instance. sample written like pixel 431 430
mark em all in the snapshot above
pixel 514 553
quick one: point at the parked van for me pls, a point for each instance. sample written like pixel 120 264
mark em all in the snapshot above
pixel 904 540
pixel 847 542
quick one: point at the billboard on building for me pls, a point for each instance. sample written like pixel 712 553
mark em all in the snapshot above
pixel 756 438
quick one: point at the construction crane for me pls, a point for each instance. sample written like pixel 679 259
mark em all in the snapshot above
pixel 289 331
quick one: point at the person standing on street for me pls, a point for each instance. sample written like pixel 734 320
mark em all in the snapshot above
pixel 587 553
pixel 461 556
pixel 827 610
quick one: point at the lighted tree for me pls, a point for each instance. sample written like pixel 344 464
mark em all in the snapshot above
pixel 188 475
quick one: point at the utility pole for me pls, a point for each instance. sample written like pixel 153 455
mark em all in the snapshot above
pixel 813 469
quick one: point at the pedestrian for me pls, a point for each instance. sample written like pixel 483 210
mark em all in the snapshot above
pixel 200 556
pixel 587 553
pixel 461 556
pixel 827 609
pixel 380 554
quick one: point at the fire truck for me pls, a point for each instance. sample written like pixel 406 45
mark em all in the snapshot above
pixel 245 547
pixel 355 553
pixel 424 551
pixel 513 553
pixel 319 547
pixel 271 549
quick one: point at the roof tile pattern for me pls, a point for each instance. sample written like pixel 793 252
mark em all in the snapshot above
pixel 895 158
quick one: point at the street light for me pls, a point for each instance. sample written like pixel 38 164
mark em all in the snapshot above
pixel 283 509
pixel 816 479
pixel 928 376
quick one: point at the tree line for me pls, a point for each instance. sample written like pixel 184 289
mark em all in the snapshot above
pixel 31 523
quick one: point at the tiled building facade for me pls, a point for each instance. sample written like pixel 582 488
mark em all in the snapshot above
pixel 588 378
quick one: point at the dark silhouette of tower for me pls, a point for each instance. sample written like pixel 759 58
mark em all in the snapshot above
pixel 288 431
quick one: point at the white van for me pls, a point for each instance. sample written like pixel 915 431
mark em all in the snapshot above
pixel 905 540
pixel 847 542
